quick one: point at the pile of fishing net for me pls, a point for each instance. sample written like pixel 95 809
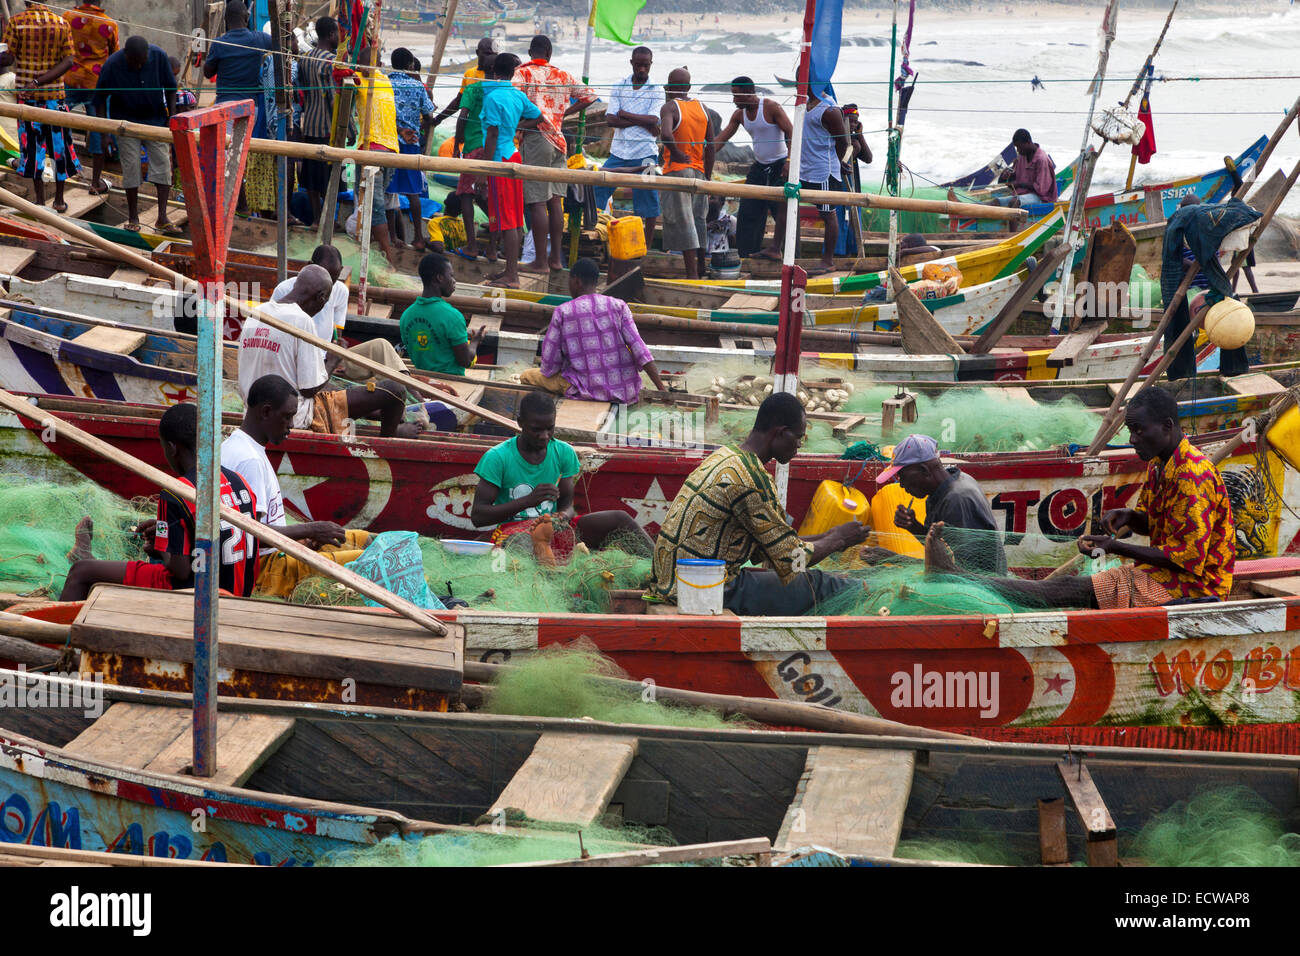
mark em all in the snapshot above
pixel 577 681
pixel 906 590
pixel 37 521
pixel 491 848
pixel 1224 826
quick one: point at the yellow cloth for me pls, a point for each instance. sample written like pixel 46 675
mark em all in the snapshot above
pixel 448 230
pixel 279 574
pixel 383 123
pixel 329 414
pixel 472 76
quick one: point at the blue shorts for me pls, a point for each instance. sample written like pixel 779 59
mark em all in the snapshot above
pixel 79 97
pixel 645 202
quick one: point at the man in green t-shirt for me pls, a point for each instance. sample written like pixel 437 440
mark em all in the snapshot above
pixel 468 144
pixel 533 475
pixel 434 332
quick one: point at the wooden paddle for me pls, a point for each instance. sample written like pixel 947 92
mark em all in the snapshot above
pixel 50 218
pixel 322 565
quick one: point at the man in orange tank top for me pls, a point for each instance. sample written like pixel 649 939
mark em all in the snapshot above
pixel 688 133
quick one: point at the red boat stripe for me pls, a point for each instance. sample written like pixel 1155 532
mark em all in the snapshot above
pixel 1112 627
pixel 913 633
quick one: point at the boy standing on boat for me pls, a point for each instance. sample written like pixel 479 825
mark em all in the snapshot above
pixel 39 44
pixel 94 38
pixel 688 134
pixel 592 349
pixel 531 477
pixel 728 510
pixel 633 115
pixel 1033 177
pixel 316 87
pixel 137 85
pixel 506 111
pixel 1183 509
pixel 173 530
pixel 770 130
pixel 825 140
pixel 414 118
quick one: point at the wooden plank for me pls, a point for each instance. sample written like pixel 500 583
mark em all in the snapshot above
pixel 131 734
pixel 1277 587
pixel 1075 343
pixel 1264 194
pixel 13 259
pixel 669 854
pixel 630 286
pixel 20 854
pixel 1096 819
pixel 850 801
pixel 244 743
pixel 578 414
pixel 1047 267
pixel 672 610
pixel 110 339
pixel 1155 207
pixel 1256 383
pixel 752 302
pixel 922 333
pixel 568 778
pixel 1053 848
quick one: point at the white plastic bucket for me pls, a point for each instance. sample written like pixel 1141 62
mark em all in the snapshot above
pixel 699 585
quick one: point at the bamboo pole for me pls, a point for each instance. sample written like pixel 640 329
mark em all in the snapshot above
pixel 64 429
pixel 338 135
pixel 593 177
pixel 780 712
pixel 50 218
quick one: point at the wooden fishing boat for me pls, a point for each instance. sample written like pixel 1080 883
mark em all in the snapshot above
pixel 732 792
pixel 1153 202
pixel 1045 499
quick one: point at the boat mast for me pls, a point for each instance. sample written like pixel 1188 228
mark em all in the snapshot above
pixel 1074 234
pixel 892 159
pixel 575 220
pixel 793 279
pixel 1146 72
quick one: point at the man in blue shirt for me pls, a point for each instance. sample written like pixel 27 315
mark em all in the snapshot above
pixel 506 110
pixel 415 114
pixel 235 62
pixel 136 84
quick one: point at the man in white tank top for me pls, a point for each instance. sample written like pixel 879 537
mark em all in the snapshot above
pixel 770 130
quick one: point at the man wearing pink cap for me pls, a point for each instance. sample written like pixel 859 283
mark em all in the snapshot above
pixel 952 497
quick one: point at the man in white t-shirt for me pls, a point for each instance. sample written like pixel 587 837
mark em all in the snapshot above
pixel 271 405
pixel 329 321
pixel 264 350
pixel 633 114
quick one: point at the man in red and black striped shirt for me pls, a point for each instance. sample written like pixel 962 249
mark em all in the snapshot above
pixel 173 530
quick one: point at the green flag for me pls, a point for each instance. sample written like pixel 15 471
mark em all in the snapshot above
pixel 614 19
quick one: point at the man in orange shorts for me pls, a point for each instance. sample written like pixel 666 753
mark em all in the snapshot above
pixel 1183 508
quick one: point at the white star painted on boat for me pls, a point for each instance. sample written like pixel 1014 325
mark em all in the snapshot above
pixel 653 508
pixel 294 487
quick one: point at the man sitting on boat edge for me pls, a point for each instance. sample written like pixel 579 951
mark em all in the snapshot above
pixel 728 510
pixel 1184 509
pixel 173 530
pixel 531 477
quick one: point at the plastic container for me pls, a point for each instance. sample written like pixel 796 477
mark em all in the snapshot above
pixel 627 238
pixel 834 504
pixel 699 585
pixel 889 535
pixel 1284 436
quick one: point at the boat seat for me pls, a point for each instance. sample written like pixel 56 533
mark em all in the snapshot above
pixel 568 778
pixel 159 739
pixel 107 338
pixel 849 800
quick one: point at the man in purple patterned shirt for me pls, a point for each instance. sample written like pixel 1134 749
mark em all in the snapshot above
pixel 592 349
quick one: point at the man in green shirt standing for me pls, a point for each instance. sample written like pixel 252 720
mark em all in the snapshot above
pixel 434 331
pixel 531 477
pixel 468 144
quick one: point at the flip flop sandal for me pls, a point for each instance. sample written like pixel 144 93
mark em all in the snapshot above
pixel 169 229
pixel 131 227
pixel 60 207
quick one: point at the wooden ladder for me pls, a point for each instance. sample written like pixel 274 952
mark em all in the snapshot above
pixel 849 800
pixel 158 739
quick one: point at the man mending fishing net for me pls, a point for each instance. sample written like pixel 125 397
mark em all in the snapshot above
pixel 728 510
pixel 1183 508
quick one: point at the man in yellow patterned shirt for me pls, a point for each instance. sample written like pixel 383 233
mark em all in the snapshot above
pixel 728 510
pixel 1183 509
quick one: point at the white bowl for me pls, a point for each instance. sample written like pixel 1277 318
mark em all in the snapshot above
pixel 459 546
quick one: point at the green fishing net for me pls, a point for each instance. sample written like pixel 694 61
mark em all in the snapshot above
pixel 1225 826
pixel 907 591
pixel 989 850
pixel 489 848
pixel 37 521
pixel 565 682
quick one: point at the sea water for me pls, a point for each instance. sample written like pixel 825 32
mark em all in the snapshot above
pixel 974 86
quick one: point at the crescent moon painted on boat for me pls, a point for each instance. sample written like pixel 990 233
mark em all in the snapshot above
pixel 379 489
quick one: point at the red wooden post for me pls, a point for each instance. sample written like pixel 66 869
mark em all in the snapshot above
pixel 212 150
